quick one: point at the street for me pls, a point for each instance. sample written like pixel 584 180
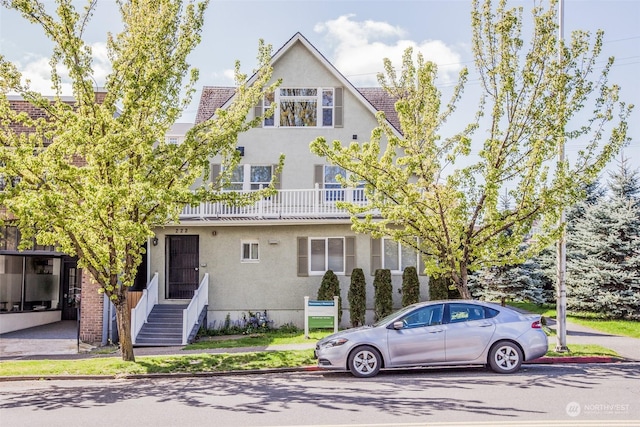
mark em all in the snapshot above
pixel 570 394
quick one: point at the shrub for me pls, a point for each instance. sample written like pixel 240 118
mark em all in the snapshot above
pixel 357 297
pixel 383 293
pixel 410 286
pixel 442 288
pixel 330 287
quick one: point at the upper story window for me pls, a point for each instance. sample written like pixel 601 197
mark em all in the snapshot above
pixel 173 140
pixel 250 177
pixel 303 107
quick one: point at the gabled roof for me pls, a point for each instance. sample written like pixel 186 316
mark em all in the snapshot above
pixel 375 99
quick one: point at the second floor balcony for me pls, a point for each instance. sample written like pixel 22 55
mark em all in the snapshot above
pixel 285 204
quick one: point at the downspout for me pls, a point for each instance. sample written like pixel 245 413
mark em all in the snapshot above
pixel 106 309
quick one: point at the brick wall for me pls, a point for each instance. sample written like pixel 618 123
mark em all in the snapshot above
pixel 91 312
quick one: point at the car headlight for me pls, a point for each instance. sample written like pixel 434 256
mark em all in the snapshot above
pixel 334 342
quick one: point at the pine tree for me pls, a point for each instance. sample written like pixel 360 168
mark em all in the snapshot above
pixel 510 283
pixel 603 270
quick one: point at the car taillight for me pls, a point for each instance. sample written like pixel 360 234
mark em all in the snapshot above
pixel 536 325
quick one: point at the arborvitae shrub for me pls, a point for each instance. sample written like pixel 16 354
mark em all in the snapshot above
pixel 383 294
pixel 410 286
pixel 330 287
pixel 441 288
pixel 357 297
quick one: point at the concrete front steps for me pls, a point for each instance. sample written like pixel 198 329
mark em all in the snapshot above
pixel 163 327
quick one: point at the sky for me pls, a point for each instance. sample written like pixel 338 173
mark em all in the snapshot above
pixel 354 35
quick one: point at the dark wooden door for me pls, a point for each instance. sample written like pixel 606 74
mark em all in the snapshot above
pixel 70 289
pixel 182 266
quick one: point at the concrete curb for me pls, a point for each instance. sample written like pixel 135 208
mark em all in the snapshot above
pixel 311 368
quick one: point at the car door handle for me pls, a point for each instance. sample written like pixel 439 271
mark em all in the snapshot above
pixel 435 331
pixel 484 325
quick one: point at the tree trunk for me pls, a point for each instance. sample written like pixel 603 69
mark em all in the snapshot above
pixel 124 331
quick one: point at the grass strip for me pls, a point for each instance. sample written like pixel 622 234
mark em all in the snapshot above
pixel 192 363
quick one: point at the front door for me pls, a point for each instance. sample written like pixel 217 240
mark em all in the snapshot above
pixel 182 266
pixel 70 289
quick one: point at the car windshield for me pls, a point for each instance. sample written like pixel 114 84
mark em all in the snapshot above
pixel 394 315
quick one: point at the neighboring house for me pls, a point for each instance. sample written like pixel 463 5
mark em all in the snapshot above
pixel 270 255
pixel 42 285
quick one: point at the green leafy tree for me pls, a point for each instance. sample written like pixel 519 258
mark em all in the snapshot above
pixel 383 293
pixel 330 287
pixel 410 286
pixel 357 297
pixel 93 178
pixel 530 95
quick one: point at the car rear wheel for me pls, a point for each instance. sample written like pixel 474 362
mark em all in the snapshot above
pixel 505 357
pixel 365 362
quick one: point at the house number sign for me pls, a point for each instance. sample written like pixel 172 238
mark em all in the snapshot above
pixel 182 230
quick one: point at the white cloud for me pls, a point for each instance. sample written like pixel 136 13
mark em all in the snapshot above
pixel 37 70
pixel 360 46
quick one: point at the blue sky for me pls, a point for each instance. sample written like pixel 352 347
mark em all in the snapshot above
pixel 354 35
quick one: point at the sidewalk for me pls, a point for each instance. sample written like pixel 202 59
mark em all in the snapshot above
pixel 58 341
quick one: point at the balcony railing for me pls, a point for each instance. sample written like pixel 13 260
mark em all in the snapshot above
pixel 312 203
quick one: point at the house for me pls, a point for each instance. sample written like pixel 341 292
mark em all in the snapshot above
pixel 270 255
pixel 43 285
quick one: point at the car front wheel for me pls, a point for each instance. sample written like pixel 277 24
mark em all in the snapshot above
pixel 505 357
pixel 365 362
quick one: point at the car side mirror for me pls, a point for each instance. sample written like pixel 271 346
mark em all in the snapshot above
pixel 398 325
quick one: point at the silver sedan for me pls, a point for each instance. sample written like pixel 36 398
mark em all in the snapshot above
pixel 435 333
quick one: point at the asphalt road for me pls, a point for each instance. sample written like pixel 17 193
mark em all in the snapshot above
pixel 562 395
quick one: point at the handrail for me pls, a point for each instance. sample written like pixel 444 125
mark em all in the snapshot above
pixel 192 312
pixel 316 202
pixel 140 312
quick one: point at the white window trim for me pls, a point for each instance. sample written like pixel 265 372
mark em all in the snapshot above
pixel 399 249
pixel 246 175
pixel 326 256
pixel 319 108
pixel 250 243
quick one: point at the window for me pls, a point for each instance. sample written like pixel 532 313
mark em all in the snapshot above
pixel 173 140
pixel 303 107
pixel 397 257
pixel 250 177
pixel 334 191
pixel 425 316
pixel 465 312
pixel 326 254
pixel 250 251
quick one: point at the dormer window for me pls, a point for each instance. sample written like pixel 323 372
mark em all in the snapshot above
pixel 303 107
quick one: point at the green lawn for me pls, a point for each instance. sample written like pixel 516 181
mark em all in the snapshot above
pixel 191 363
pixel 257 340
pixel 595 321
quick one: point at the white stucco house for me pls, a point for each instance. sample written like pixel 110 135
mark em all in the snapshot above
pixel 271 255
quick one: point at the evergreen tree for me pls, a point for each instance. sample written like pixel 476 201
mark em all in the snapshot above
pixel 509 283
pixel 330 287
pixel 603 270
pixel 357 297
pixel 410 286
pixel 383 294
